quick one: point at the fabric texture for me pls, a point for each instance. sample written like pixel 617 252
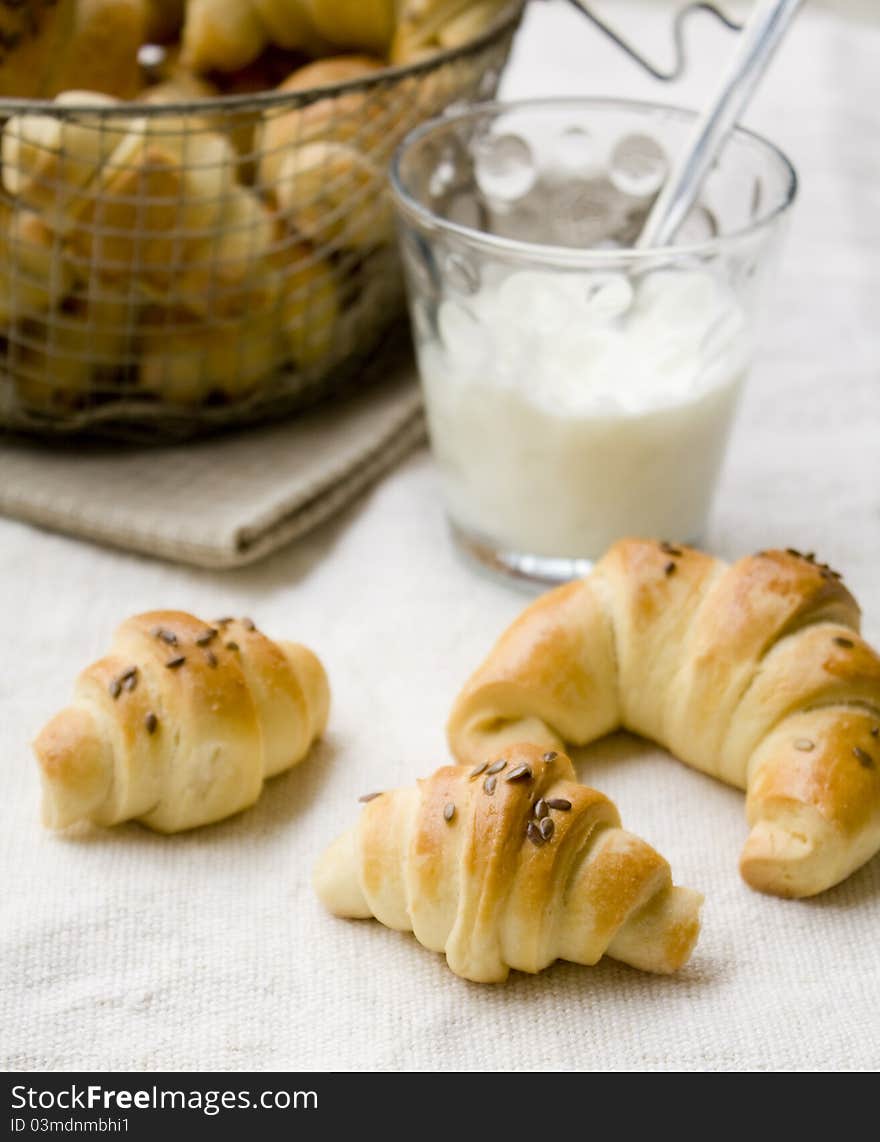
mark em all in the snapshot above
pixel 123 949
pixel 220 502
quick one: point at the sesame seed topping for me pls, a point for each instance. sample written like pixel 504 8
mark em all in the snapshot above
pixel 520 773
pixel 224 621
pixel 248 624
pixel 151 722
pixel 845 642
pixel 477 770
pixel 210 658
pixel 547 826
pixel 561 803
pixel 671 549
pixel 489 785
pixel 875 731
pixel 497 766
pixel 541 809
pixel 794 552
pixel 130 679
pixel 804 745
pixel 550 756
pixel 115 687
pixel 174 663
pixel 166 636
pixel 448 811
pixel 670 568
pixel 206 637
pixel 232 646
pixel 864 759
pixel 369 797
pixel 534 833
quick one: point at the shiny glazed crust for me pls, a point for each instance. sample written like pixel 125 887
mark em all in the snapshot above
pixel 180 724
pixel 753 673
pixel 460 860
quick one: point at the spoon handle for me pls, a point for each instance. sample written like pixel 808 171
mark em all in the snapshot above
pixel 756 44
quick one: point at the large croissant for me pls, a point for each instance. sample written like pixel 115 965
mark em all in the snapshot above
pixel 512 865
pixel 753 673
pixel 180 724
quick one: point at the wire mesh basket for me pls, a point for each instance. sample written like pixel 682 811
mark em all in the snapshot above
pixel 172 268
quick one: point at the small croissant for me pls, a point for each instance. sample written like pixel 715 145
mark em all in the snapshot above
pixel 180 724
pixel 754 673
pixel 511 865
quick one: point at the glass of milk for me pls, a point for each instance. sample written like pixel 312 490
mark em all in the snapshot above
pixel 579 389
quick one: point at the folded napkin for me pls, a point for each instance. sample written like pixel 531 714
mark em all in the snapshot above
pixel 225 501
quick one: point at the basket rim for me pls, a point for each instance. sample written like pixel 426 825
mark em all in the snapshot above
pixel 505 22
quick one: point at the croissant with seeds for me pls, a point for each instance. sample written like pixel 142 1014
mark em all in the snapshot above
pixel 510 865
pixel 180 724
pixel 753 673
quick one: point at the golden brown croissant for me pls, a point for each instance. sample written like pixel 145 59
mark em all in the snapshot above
pixel 226 36
pixel 34 274
pixel 310 304
pixel 186 361
pixel 427 26
pixel 511 865
pixel 338 118
pixel 49 46
pixel 180 724
pixel 229 274
pixel 48 160
pixel 67 356
pixel 333 194
pixel 154 202
pixel 754 673
pixel 101 51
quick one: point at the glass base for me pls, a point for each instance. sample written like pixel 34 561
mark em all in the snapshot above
pixel 530 572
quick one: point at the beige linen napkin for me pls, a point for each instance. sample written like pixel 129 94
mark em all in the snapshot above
pixel 222 502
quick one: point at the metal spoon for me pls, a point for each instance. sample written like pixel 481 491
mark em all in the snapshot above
pixel 756 44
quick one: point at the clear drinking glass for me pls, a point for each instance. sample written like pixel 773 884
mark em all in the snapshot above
pixel 579 389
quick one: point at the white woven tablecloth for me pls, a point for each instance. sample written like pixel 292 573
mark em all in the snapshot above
pixel 125 949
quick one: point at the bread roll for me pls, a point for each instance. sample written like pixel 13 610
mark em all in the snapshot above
pixel 33 37
pixel 35 274
pixel 230 274
pixel 101 53
pixel 426 26
pixel 158 197
pixel 364 25
pixel 180 724
pixel 73 355
pixel 221 35
pixel 310 306
pixel 344 118
pixel 186 363
pixel 754 673
pixel 47 160
pixel 513 864
pixel 335 196
pixel 290 25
